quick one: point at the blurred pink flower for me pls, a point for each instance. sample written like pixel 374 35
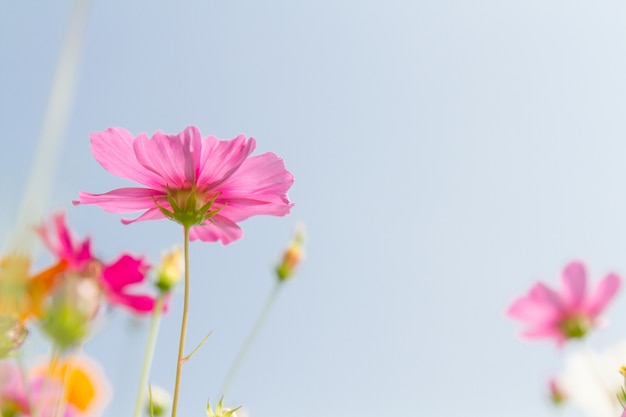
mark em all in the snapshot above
pixel 116 279
pixel 568 314
pixel 14 397
pixel 176 166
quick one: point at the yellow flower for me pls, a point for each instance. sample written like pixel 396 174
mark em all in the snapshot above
pixel 84 385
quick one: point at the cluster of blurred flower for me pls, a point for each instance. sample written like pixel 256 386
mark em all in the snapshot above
pixel 593 382
pixel 205 184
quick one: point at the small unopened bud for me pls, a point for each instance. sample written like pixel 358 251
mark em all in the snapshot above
pixel 557 396
pixel 74 303
pixel 220 411
pixel 159 401
pixel 293 255
pixel 170 271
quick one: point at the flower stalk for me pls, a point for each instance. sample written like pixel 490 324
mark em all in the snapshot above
pixel 183 327
pixel 149 353
pixel 245 348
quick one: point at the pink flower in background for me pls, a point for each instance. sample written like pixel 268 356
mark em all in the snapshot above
pixel 219 174
pixel 567 314
pixel 116 279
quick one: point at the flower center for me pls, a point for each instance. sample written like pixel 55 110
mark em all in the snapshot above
pixel 575 327
pixel 189 207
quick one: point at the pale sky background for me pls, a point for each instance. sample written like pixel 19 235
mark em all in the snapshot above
pixel 447 154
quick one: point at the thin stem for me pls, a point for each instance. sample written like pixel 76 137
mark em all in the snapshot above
pixel 183 327
pixel 243 351
pixel 149 353
pixel 27 388
pixel 60 403
pixel 45 389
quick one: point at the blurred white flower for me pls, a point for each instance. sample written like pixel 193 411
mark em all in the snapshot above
pixel 592 381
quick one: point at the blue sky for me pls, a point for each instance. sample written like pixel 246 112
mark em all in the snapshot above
pixel 447 154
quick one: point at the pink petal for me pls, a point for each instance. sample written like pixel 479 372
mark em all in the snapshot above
pixel 604 292
pixel 113 149
pixel 259 187
pixel 545 332
pixel 58 240
pixel 152 214
pixel 221 158
pixel 175 158
pixel 529 310
pixel 541 301
pixel 140 304
pixel 574 282
pixel 122 200
pixel 220 228
pixel 125 271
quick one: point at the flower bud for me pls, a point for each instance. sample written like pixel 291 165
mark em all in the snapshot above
pixel 159 401
pixel 557 396
pixel 220 411
pixel 170 271
pixel 73 305
pixel 292 256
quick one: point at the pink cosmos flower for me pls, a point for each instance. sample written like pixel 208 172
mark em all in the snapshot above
pixel 219 174
pixel 568 314
pixel 116 279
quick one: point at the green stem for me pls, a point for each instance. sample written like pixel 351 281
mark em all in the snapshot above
pixel 148 354
pixel 243 351
pixel 183 327
pixel 45 389
pixel 26 382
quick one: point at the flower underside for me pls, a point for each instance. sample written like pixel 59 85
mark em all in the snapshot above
pixel 189 207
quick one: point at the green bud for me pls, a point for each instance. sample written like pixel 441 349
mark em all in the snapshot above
pixel 159 402
pixel 170 271
pixel 220 411
pixel 69 313
pixel 292 256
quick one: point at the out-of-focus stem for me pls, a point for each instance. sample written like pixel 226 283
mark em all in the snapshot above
pixel 245 348
pixel 183 327
pixel 56 118
pixel 26 382
pixel 149 353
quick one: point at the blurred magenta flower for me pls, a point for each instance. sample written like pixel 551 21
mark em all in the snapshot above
pixel 116 279
pixel 568 314
pixel 188 175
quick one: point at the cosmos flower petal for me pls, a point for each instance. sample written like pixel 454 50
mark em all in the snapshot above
pixel 221 158
pixel 220 228
pixel 175 158
pixel 572 313
pixel 259 187
pixel 113 149
pixel 533 309
pixel 140 304
pixel 541 332
pixel 193 171
pixel 58 240
pixel 603 294
pixel 122 200
pixel 126 270
pixel 152 214
pixel 574 282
